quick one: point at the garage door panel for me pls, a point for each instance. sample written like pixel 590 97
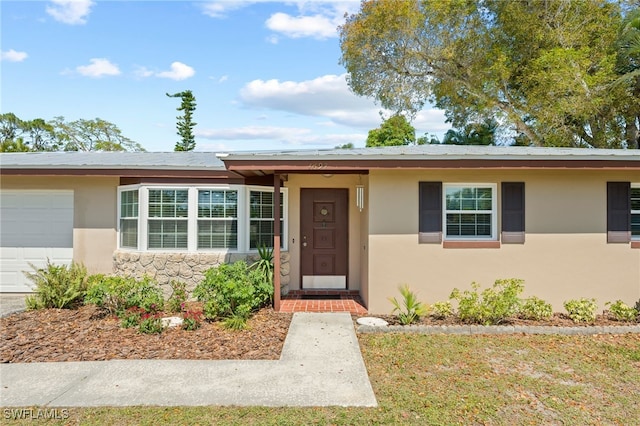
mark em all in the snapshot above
pixel 34 226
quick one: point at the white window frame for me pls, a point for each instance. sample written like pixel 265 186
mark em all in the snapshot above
pixel 243 192
pixel 634 212
pixel 147 218
pixel 121 189
pixel 494 211
pixel 285 221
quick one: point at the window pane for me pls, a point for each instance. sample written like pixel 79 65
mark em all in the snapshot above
pixel 635 226
pixel 463 211
pixel 167 234
pixel 217 234
pixel 635 199
pixel 129 233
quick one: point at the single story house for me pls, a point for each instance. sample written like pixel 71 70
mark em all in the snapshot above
pixel 364 221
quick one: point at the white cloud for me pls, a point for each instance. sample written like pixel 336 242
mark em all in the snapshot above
pixel 142 72
pixel 13 56
pixel 99 67
pixel 179 71
pixel 328 97
pixel 73 12
pixel 285 135
pixel 317 26
pixel 220 9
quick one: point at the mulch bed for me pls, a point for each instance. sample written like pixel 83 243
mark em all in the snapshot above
pixel 89 334
pixel 557 320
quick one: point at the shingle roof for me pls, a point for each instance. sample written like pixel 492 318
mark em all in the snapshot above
pixel 441 152
pixel 192 160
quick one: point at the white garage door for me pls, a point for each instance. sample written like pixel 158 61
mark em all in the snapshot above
pixel 34 226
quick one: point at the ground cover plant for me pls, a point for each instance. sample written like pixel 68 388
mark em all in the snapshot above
pixel 453 380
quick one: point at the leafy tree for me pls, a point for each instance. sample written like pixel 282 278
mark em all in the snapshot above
pixel 473 134
pixel 544 68
pixel 81 135
pixel 345 146
pixel 92 135
pixel 628 66
pixel 394 131
pixel 185 124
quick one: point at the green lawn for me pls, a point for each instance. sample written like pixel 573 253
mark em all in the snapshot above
pixel 441 380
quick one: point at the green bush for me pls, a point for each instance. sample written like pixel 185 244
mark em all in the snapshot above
pixel 410 310
pixel 233 290
pixel 493 305
pixel 581 310
pixel 150 323
pixel 442 310
pixel 131 317
pixel 178 296
pixel 622 312
pixel 116 294
pixel 57 286
pixel 536 309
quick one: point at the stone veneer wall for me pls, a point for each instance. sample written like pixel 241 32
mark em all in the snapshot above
pixel 186 267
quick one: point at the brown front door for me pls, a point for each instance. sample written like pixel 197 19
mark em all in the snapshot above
pixel 324 220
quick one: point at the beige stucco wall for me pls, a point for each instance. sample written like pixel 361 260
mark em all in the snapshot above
pixel 94 221
pixel 565 255
pixel 294 183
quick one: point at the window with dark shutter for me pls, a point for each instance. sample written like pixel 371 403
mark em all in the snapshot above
pixel 513 213
pixel 618 212
pixel 430 213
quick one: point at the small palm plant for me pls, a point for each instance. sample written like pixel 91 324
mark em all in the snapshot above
pixel 410 310
pixel 265 263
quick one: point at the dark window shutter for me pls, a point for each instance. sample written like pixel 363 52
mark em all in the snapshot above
pixel 513 213
pixel 618 212
pixel 430 213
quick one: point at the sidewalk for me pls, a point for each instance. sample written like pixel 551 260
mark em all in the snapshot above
pixel 320 365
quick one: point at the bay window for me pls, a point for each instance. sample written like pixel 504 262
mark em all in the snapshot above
pixel 198 218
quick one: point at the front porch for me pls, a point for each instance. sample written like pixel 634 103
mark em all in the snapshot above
pixel 323 301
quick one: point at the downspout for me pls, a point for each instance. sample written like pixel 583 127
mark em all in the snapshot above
pixel 276 242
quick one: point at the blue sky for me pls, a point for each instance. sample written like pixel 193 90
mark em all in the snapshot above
pixel 265 74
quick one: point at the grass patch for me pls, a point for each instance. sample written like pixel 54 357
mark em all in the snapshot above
pixel 493 380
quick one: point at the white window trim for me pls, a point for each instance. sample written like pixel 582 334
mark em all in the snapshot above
pixel 494 211
pixel 285 217
pixel 632 212
pixel 122 189
pixel 192 219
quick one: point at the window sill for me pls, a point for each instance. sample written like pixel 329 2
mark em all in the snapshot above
pixel 471 244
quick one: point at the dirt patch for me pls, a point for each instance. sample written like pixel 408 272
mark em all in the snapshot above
pixel 88 334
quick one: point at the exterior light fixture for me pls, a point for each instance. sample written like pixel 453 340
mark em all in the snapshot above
pixel 360 197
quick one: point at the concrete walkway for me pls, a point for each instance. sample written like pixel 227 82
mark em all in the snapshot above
pixel 320 365
pixel 11 303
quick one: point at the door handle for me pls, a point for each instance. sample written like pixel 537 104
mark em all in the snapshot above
pixel 304 241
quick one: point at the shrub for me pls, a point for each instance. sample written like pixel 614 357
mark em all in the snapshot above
pixel 411 309
pixel 131 317
pixel 116 294
pixel 57 286
pixel 233 290
pixel 582 310
pixel 622 312
pixel 493 305
pixel 536 309
pixel 442 310
pixel 191 320
pixel 178 296
pixel 150 323
pixel 235 322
